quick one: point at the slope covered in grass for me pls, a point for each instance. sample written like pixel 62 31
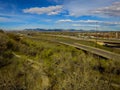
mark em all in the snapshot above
pixel 27 64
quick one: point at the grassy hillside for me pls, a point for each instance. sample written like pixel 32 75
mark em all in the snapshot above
pixel 27 64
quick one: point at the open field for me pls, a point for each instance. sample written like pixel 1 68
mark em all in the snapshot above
pixel 40 62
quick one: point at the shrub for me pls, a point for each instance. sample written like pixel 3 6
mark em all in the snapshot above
pixel 12 45
pixel 1 31
pixel 14 36
pixel 5 58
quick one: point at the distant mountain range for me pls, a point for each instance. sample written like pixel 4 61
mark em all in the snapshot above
pixel 69 30
pixel 44 30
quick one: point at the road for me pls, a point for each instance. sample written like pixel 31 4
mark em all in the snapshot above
pixel 96 51
pixel 99 52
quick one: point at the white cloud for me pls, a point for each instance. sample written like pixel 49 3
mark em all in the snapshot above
pixel 51 10
pixel 111 23
pixel 76 25
pixel 113 10
pixel 87 25
pixel 87 7
pixel 98 22
pixel 79 8
pixel 89 21
pixel 75 22
pixel 84 7
pixel 64 20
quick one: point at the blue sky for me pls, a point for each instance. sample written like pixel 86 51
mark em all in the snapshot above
pixel 60 14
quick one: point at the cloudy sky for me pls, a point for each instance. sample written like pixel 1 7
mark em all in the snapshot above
pixel 60 14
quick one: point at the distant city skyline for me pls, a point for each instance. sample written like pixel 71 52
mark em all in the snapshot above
pixel 60 14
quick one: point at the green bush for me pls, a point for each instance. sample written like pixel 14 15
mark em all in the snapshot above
pixel 5 58
pixel 1 31
pixel 14 36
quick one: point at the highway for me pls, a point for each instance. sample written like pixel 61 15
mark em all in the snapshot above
pixel 93 50
pixel 96 51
